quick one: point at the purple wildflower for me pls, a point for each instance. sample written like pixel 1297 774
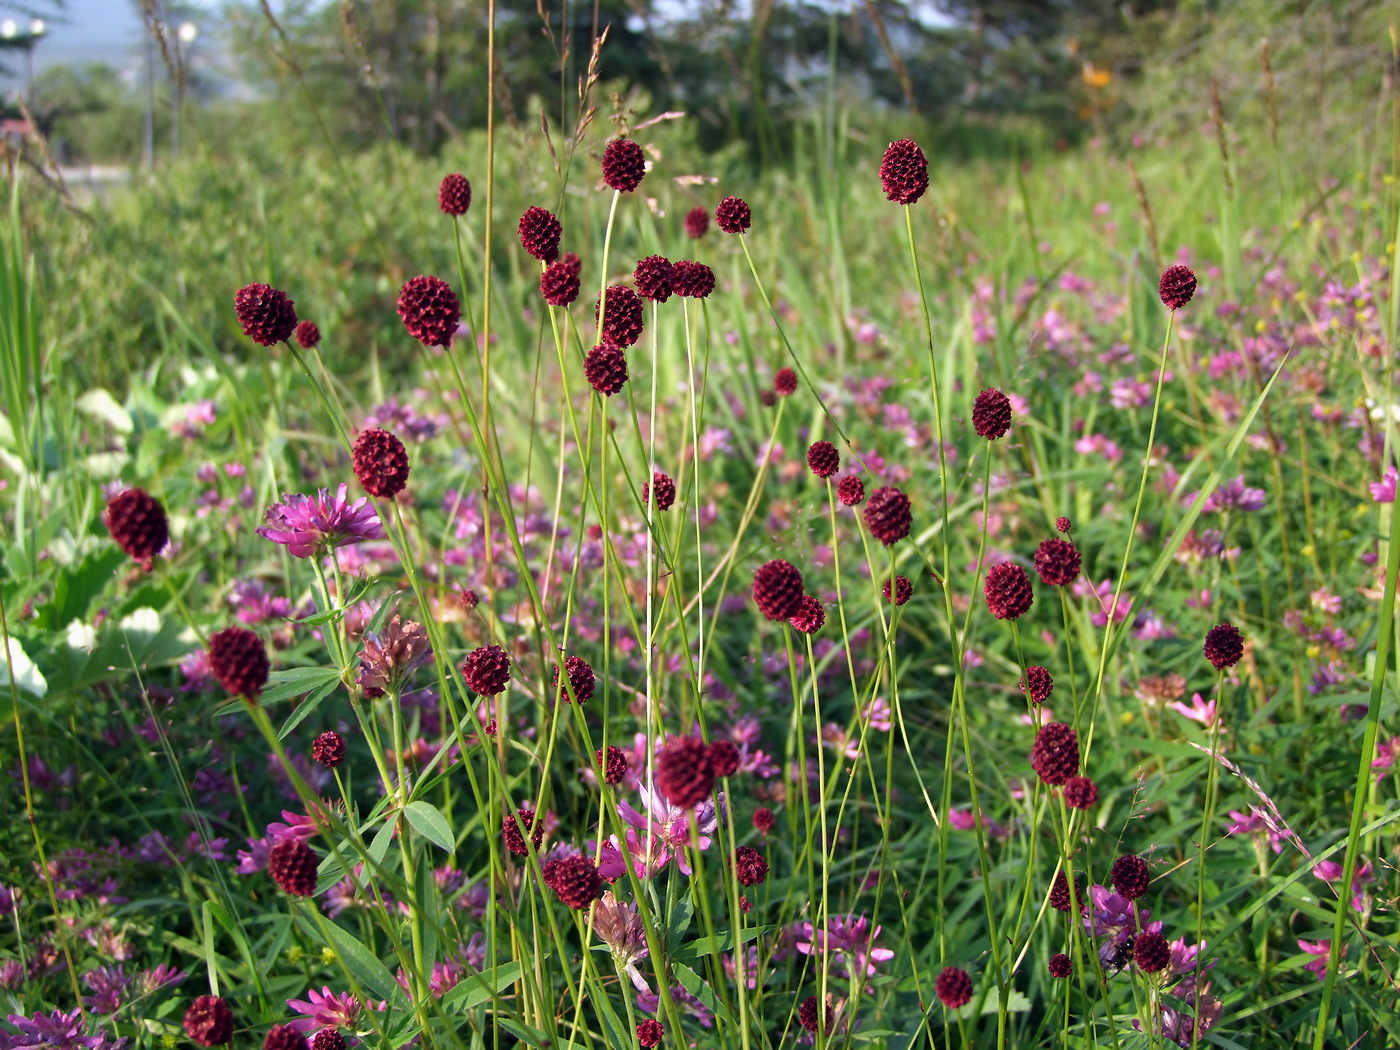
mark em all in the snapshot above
pixel 107 984
pixel 391 657
pixel 850 940
pixel 1235 495
pixel 325 1009
pixel 56 1031
pixel 307 524
pixel 1383 491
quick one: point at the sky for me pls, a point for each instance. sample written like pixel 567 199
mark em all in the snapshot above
pixel 88 31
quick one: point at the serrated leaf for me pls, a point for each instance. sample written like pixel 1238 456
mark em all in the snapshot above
pixel 430 823
pixel 361 962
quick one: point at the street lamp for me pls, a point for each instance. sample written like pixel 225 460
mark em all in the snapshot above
pixel 185 35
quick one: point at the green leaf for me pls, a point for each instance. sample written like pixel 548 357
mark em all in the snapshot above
pixel 362 963
pixel 473 991
pixel 531 1036
pixel 293 681
pixel 306 708
pixel 430 823
pixel 76 587
pixel 380 845
pixel 691 982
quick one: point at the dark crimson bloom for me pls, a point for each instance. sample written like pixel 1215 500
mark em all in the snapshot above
pixel 429 309
pixel 1008 591
pixel 284 1037
pixel 850 490
pixel 469 599
pixel 1062 523
pixel 1057 562
pixel 328 1039
pixel 268 317
pixel 1224 646
pixel 1151 952
pixel 785 382
pixel 953 987
pixel 684 774
pixel 487 670
pixel 763 819
pixel 614 767
pixel 810 616
pixel 697 223
pixel 209 1021
pixel 777 589
pixel 329 749
pixel 1129 876
pixel 1061 966
pixel 1055 755
pixel 823 459
pixel 574 879
pixel 991 414
pixel 903 590
pixel 1037 684
pixel 308 335
pixel 539 233
pixel 887 515
pixel 515 826
pixel 380 462
pixel 559 282
pixel 606 369
pixel 454 194
pixel 1060 893
pixel 810 1014
pixel 622 321
pixel 292 866
pixel 653 277
pixel 1080 792
pixel 692 280
pixel 238 659
pixel 749 866
pixel 649 1033
pixel 904 172
pixel 732 215
pixel 767 398
pixel 665 491
pixel 624 165
pixel 138 524
pixel 581 679
pixel 724 757
pixel 1177 286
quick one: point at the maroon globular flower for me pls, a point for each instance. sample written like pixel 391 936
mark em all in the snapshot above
pixel 1224 646
pixel 284 1037
pixel 292 866
pixel 724 757
pixel 328 1039
pixel 380 462
pixel 1177 286
pixel 429 310
pixel 559 282
pixel 614 766
pixel 486 670
pixel 692 280
pixel 953 987
pixel 1055 754
pixel 1061 966
pixel 887 515
pixel 763 820
pixel 1060 893
pixel 684 775
pixel 1151 952
pixel 1037 684
pixel 308 335
pixel 750 867
pixel 1130 876
pixel 1057 561
pixel 653 277
pixel 574 879
pixel 539 233
pixel 581 679
pixel 785 382
pixel 515 826
pixel 697 223
pixel 665 491
pixel 454 194
pixel 209 1021
pixel 810 616
pixel 238 660
pixel 850 490
pixel 624 165
pixel 138 524
pixel 1008 591
pixel 605 367
pixel 904 172
pixel 903 590
pixel 1062 523
pixel 767 398
pixel 622 320
pixel 1080 792
pixel 329 749
pixel 810 1015
pixel 991 414
pixel 649 1033
pixel 777 589
pixel 268 317
pixel 732 215
pixel 823 459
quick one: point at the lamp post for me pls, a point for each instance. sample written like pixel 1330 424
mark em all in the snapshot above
pixel 12 37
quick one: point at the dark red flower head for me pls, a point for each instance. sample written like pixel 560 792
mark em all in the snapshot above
pixel 1037 684
pixel 454 194
pixel 903 590
pixel 684 775
pixel 692 280
pixel 953 987
pixel 1224 646
pixel 1177 286
pixel 785 382
pixel 284 1037
pixel 1008 591
pixel 308 335
pixel 810 1015
pixel 1080 792
pixel 487 670
pixel 732 215
pixel 429 309
pixel 823 459
pixel 1062 523
pixel 1129 876
pixel 622 323
pixel 559 282
pixel 268 317
pixel 887 515
pixel 574 879
pixel 1060 893
pixel 329 749
pixel 1151 952
pixel 777 589
pixel 850 490
pixel 138 524
pixel 515 826
pixel 697 223
pixel 665 490
pixel 767 398
pixel 810 616
pixel 750 868
pixel 904 172
pixel 581 679
pixel 724 757
pixel 539 233
pixel 763 820
pixel 624 165
pixel 649 1033
pixel 1057 561
pixel 1061 966
pixel 614 766
pixel 209 1021
pixel 328 1039
pixel 380 462
pixel 991 414
pixel 653 277
pixel 292 866
pixel 606 369
pixel 239 661
pixel 1055 755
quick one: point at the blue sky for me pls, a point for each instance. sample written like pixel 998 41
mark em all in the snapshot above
pixel 91 31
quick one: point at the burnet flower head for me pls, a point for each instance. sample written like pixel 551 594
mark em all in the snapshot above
pixel 307 524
